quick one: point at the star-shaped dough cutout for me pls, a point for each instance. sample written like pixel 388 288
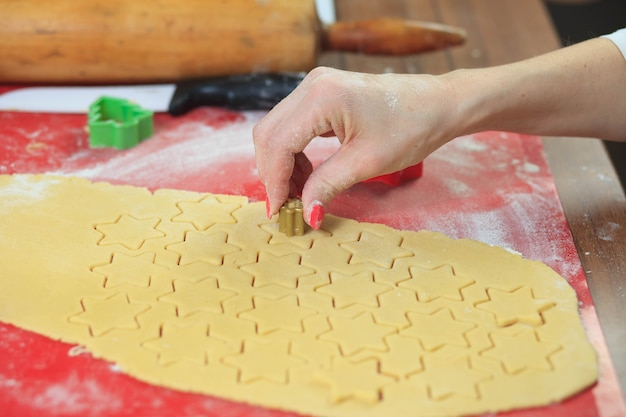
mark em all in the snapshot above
pixel 129 231
pixel 104 315
pixel 325 252
pixel 516 306
pixel 446 377
pixel 380 250
pixel 253 362
pixel 241 282
pixel 193 272
pixel 354 334
pixel 394 305
pixel 186 343
pixel 127 269
pixel 315 352
pixel 245 231
pixel 282 270
pixel 305 241
pixel 403 358
pixel 353 289
pixel 521 351
pixel 437 329
pixel 440 282
pixel 206 212
pixel 284 313
pixel 207 247
pixel 230 327
pixel 190 297
pixel 348 380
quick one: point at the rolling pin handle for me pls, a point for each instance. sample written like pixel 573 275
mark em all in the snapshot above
pixel 388 36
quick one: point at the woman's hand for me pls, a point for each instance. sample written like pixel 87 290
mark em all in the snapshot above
pixel 384 123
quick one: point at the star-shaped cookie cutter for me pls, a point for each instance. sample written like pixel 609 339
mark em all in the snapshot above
pixel 118 123
pixel 290 220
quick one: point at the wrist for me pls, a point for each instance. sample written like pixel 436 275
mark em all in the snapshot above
pixel 473 99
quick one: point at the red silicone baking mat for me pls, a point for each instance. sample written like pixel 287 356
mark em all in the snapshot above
pixel 493 187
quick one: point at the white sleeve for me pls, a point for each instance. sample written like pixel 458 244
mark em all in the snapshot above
pixel 619 39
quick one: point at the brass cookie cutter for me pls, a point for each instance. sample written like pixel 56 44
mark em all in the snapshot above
pixel 291 219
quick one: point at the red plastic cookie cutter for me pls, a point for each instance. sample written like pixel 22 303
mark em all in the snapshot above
pixel 399 177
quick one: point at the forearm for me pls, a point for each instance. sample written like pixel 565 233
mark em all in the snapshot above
pixel 388 122
pixel 576 91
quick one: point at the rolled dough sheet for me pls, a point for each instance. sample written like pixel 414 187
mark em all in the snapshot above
pixel 201 293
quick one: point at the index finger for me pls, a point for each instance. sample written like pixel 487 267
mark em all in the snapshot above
pixel 286 131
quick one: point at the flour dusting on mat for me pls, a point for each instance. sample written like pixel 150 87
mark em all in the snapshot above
pixel 191 148
pixel 27 190
pixel 72 396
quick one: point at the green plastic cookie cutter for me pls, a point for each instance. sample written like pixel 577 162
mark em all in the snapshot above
pixel 118 123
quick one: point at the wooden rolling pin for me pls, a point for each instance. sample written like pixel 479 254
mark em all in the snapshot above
pixel 122 41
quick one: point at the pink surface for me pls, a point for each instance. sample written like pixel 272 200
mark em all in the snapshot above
pixel 493 187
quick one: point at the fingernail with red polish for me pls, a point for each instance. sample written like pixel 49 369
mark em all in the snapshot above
pixel 267 207
pixel 317 215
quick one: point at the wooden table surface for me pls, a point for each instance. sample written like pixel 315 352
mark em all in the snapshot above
pixel 502 31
